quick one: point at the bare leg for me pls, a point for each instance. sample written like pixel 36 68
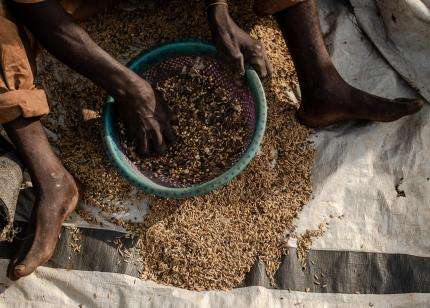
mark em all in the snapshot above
pixel 326 98
pixel 56 191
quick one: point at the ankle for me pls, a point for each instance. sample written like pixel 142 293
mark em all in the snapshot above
pixel 326 96
pixel 54 181
pixel 320 76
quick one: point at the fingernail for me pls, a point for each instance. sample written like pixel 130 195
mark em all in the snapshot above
pixel 20 269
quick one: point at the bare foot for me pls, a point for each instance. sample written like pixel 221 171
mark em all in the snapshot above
pixel 327 98
pixel 56 192
pixel 55 203
pixel 340 103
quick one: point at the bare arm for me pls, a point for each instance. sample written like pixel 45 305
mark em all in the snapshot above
pixel 56 30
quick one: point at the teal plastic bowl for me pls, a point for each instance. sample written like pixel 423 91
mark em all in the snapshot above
pixel 132 174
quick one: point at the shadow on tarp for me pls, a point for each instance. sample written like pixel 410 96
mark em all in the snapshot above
pixel 345 272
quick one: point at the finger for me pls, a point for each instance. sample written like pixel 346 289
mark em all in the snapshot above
pixel 174 120
pixel 269 65
pixel 142 142
pixel 169 134
pixel 131 132
pixel 234 56
pixel 259 65
pixel 239 64
pixel 165 115
pixel 167 120
pixel 155 146
pixel 156 140
pixel 126 120
pixel 130 129
pixel 167 129
pixel 257 57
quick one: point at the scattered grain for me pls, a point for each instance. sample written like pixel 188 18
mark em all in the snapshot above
pixel 304 243
pixel 209 242
pixel 76 237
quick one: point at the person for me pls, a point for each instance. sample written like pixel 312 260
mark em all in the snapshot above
pixel 326 98
pixel 22 104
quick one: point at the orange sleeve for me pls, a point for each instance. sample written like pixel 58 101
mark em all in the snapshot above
pixel 18 94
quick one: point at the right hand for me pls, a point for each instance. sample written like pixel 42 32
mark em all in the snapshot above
pixel 146 118
pixel 235 45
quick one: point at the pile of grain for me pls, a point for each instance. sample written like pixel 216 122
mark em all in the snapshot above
pixel 208 242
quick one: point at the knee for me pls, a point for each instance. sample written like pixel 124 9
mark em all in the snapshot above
pixel 261 7
pixel 270 7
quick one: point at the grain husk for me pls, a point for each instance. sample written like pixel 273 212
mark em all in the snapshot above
pixel 207 242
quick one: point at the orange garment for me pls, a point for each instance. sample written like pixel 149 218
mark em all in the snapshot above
pixel 18 94
pixel 269 7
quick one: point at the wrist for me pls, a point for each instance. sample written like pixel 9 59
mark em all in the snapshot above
pixel 218 16
pixel 214 7
pixel 211 3
pixel 129 85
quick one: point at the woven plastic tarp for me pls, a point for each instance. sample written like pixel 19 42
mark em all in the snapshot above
pixel 371 184
pixel 10 184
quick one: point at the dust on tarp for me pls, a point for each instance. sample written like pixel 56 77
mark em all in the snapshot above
pixel 207 242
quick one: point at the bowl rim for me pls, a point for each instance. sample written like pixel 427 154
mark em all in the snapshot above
pixel 135 177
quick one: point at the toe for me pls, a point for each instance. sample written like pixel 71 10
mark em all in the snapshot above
pixel 399 108
pixel 37 249
pixel 20 271
pixel 385 110
pixel 410 106
pixel 36 257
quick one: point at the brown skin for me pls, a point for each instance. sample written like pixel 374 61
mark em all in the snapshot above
pixel 326 98
pixel 234 44
pixel 56 191
pixel 147 119
pixel 60 35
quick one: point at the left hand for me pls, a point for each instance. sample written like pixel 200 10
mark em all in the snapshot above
pixel 235 45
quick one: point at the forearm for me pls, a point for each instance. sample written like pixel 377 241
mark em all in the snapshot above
pixel 209 3
pixel 67 41
pixel 217 13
